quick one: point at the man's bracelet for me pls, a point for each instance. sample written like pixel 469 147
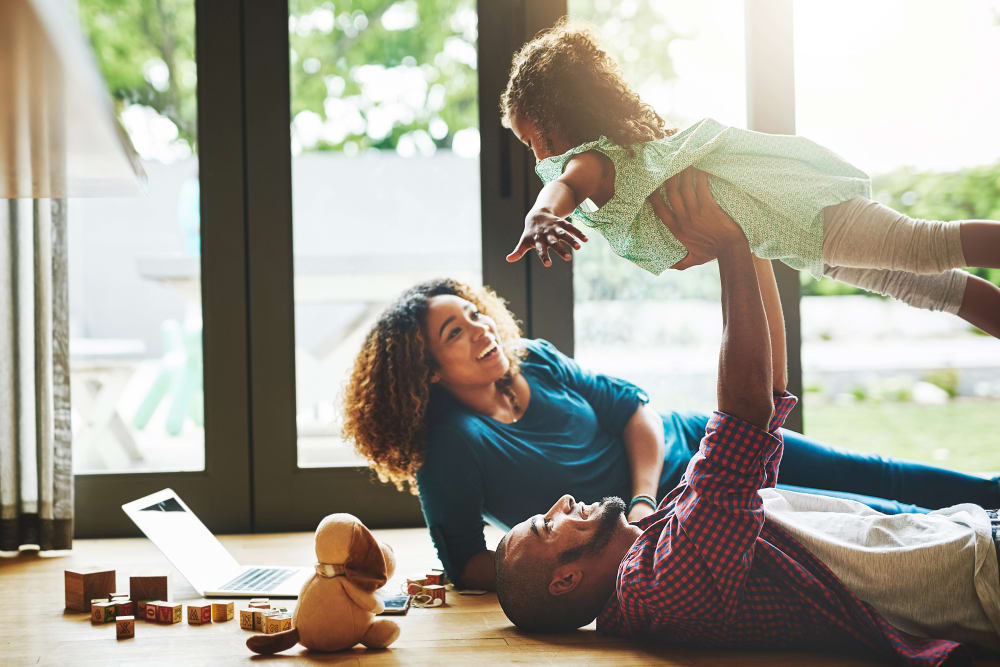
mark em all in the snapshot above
pixel 642 498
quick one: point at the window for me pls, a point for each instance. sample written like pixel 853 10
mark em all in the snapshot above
pixel 135 271
pixel 385 182
pixel 903 95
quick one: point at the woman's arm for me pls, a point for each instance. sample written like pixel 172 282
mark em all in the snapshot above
pixel 480 572
pixel 644 447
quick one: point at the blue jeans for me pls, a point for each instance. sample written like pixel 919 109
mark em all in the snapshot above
pixel 888 485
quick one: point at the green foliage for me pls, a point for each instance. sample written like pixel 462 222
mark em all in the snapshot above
pixel 134 38
pixel 329 43
pixel 945 378
pixel 326 56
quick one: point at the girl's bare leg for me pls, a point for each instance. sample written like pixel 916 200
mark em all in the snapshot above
pixel 981 303
pixel 981 243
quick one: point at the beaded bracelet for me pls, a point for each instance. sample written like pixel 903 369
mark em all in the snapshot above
pixel 642 498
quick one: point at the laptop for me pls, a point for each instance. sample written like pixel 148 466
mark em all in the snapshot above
pixel 200 557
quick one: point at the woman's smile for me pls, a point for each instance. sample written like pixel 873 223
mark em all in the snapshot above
pixel 490 352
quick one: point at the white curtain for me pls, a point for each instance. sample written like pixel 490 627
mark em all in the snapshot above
pixel 58 139
pixel 36 468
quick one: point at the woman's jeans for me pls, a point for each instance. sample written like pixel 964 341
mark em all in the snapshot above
pixel 888 485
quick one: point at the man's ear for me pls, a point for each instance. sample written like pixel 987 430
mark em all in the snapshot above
pixel 565 580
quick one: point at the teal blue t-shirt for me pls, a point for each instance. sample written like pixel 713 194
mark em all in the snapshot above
pixel 569 440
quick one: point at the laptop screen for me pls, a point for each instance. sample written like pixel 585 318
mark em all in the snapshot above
pixel 183 539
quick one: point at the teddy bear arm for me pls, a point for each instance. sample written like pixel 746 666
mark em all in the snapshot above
pixel 381 633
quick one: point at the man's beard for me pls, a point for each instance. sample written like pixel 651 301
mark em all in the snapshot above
pixel 611 509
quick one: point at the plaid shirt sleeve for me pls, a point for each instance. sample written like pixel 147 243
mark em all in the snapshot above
pixel 713 518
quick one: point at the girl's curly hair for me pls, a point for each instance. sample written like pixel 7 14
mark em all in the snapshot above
pixel 385 402
pixel 564 82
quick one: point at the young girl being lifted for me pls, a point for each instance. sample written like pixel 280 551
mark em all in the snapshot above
pixel 608 160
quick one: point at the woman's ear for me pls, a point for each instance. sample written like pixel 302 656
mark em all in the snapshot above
pixel 565 580
pixel 435 378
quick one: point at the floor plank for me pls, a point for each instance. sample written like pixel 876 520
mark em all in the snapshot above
pixel 34 629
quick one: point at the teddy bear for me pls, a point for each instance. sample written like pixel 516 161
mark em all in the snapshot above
pixel 337 605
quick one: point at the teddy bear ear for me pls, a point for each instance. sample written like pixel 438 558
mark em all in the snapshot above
pixel 365 566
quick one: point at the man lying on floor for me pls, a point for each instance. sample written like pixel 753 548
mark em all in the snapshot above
pixel 727 560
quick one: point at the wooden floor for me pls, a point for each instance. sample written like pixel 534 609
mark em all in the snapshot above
pixel 34 629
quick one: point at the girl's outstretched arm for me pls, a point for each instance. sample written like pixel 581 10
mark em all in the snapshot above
pixel 545 226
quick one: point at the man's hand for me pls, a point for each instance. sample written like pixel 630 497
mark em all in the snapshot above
pixel 544 231
pixel 695 219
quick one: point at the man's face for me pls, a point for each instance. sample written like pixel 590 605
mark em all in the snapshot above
pixel 575 537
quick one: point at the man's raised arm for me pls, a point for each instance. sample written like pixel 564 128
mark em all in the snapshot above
pixel 717 510
pixel 745 386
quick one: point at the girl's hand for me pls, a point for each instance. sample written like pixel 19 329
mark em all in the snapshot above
pixel 544 231
pixel 639 511
pixel 695 219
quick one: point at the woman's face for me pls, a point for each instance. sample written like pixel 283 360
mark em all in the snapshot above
pixel 463 342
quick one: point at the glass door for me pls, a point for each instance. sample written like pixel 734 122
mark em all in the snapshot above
pixel 140 347
pixel 385 181
pixel 904 94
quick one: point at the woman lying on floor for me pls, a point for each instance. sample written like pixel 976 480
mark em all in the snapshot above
pixel 448 399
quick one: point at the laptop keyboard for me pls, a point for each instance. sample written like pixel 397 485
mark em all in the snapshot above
pixel 261 579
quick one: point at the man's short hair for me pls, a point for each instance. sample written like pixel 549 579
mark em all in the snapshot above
pixel 523 592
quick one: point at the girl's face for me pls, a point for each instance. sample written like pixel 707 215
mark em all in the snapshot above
pixel 463 342
pixel 528 133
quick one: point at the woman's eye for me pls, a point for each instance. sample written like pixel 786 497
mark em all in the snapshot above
pixel 454 332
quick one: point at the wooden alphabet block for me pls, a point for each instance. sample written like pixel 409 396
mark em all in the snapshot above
pixel 200 612
pixel 125 627
pixel 82 586
pixel 148 588
pixel 152 610
pixel 169 612
pixel 277 623
pixel 222 611
pixel 259 615
pixel 102 612
pixel 259 603
pixel 140 609
pixel 246 619
pixel 124 607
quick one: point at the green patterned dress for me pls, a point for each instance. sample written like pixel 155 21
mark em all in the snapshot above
pixel 774 186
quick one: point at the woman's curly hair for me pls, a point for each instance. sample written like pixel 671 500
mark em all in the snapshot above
pixel 564 82
pixel 385 402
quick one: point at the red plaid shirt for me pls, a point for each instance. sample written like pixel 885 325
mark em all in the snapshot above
pixel 709 570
